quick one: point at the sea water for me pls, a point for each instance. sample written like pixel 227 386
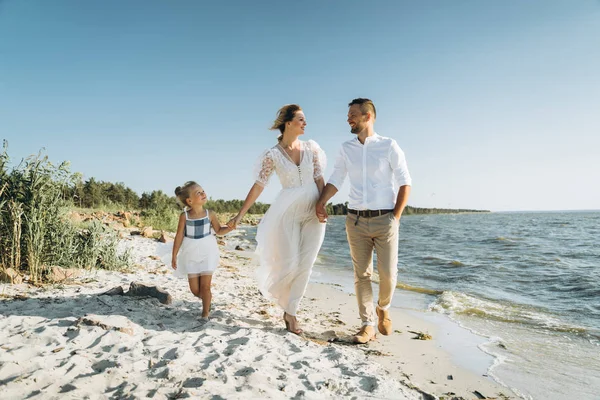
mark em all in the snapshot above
pixel 528 283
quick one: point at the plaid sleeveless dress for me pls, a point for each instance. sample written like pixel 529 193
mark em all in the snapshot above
pixel 199 252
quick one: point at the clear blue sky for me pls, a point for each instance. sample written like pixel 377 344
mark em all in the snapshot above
pixel 495 103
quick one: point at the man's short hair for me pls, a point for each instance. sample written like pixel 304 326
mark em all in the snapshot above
pixel 366 105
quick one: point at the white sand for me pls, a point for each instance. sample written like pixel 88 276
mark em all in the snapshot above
pixel 140 348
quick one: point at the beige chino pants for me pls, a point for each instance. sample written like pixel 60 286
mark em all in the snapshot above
pixel 379 233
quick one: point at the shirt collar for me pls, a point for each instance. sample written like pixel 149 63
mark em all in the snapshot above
pixel 369 138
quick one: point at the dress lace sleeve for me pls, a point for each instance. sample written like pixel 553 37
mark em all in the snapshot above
pixel 319 159
pixel 264 168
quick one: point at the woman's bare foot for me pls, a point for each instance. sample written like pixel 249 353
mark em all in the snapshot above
pixel 291 324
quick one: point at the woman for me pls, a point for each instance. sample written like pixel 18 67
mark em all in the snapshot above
pixel 289 236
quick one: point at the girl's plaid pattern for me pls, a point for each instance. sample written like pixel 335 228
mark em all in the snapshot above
pixel 197 228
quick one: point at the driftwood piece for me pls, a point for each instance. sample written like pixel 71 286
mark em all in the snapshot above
pixel 88 321
pixel 421 335
pixel 139 289
pixel 117 290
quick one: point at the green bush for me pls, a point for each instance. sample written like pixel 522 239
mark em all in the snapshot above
pixel 159 211
pixel 161 219
pixel 35 231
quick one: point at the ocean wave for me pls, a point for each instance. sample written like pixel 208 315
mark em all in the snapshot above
pixel 457 303
pixel 456 263
pixel 502 239
pixel 405 286
pixel 503 242
pixel 432 260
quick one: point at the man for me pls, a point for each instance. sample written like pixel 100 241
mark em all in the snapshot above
pixel 379 188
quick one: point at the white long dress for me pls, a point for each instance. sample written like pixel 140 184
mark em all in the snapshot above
pixel 289 235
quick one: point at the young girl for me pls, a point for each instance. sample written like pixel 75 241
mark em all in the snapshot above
pixel 195 251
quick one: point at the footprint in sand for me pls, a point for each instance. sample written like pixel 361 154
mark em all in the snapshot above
pixel 368 384
pixel 103 365
pixel 213 356
pixel 245 371
pixel 171 354
pixel 193 382
pixel 234 344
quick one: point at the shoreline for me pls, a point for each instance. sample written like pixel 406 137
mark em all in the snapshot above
pixel 462 347
pixel 425 363
pixel 141 348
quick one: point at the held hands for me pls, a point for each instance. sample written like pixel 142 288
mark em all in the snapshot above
pixel 321 212
pixel 233 222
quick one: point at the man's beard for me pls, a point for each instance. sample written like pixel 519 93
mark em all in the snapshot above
pixel 356 129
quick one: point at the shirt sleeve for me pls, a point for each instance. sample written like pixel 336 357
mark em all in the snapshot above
pixel 399 166
pixel 264 168
pixel 340 170
pixel 319 159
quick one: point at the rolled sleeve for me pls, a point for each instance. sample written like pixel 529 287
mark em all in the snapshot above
pixel 340 171
pixel 399 166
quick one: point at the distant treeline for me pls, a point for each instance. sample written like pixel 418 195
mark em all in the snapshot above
pixel 342 209
pixel 417 210
pixel 100 194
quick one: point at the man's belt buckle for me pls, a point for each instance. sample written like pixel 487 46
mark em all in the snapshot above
pixel 370 213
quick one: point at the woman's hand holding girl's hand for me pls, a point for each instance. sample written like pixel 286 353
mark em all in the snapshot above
pixel 233 223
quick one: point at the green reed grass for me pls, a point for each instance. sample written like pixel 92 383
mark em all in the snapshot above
pixel 35 230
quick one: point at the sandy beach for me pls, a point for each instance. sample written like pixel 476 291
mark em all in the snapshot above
pixel 67 341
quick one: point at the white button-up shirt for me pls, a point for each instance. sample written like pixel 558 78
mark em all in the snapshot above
pixel 376 169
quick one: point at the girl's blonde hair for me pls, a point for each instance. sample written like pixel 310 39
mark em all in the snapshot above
pixel 285 114
pixel 183 192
